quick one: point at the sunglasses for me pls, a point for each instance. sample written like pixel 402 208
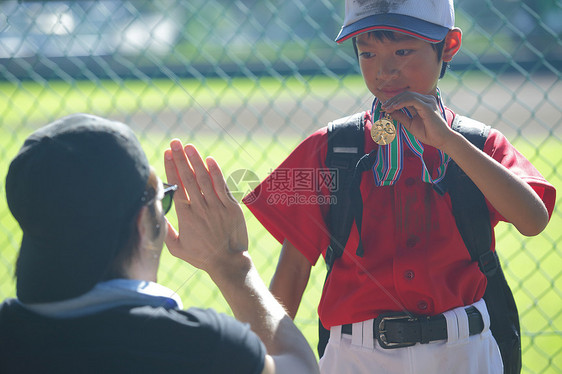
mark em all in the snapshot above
pixel 167 200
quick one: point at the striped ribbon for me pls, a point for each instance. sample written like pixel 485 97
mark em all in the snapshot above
pixel 390 158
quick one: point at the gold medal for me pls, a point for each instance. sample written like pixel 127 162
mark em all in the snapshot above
pixel 383 131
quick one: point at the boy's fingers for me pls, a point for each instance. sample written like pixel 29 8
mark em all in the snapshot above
pixel 410 100
pixel 398 116
pixel 412 111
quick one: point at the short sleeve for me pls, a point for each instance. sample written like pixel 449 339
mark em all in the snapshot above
pixel 238 349
pixel 501 150
pixel 293 201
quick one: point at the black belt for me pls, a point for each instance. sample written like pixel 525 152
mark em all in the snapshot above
pixel 396 330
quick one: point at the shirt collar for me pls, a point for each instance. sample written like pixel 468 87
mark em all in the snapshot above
pixel 110 294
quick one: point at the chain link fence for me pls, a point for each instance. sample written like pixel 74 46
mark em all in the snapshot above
pixel 247 80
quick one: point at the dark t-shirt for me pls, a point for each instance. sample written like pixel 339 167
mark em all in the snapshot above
pixel 128 339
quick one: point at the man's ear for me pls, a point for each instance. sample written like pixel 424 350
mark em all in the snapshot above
pixel 141 222
pixel 148 227
pixel 452 45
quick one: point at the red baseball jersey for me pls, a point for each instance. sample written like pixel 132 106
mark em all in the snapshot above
pixel 414 257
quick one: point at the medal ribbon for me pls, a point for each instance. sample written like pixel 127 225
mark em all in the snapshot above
pixel 390 158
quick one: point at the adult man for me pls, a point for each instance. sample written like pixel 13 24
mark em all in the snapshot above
pixel 92 214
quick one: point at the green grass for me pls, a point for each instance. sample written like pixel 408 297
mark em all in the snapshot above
pixel 32 102
pixel 532 265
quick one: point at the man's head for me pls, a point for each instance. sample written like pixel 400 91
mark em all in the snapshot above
pixel 76 187
pixel 401 44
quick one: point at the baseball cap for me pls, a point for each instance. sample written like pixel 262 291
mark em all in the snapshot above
pixel 74 187
pixel 427 20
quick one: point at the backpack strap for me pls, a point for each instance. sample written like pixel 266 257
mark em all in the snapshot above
pixel 346 143
pixel 346 138
pixel 469 206
pixel 473 222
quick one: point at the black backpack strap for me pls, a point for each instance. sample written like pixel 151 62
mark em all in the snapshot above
pixel 474 131
pixel 469 206
pixel 473 222
pixel 345 149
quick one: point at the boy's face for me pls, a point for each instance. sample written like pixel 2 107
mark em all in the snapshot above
pixel 405 63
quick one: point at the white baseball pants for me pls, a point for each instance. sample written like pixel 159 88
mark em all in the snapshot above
pixel 460 353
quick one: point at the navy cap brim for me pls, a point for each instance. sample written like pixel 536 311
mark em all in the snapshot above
pixel 414 27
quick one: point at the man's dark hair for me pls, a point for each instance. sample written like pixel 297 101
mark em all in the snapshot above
pixel 116 268
pixel 390 35
pixel 128 251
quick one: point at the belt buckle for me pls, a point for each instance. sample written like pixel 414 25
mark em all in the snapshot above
pixel 380 329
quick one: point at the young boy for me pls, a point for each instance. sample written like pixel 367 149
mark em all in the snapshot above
pixel 415 262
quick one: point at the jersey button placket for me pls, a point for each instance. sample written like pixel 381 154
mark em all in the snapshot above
pixel 412 241
pixel 422 305
pixel 409 275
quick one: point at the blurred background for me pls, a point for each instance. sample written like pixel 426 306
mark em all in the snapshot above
pixel 247 80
